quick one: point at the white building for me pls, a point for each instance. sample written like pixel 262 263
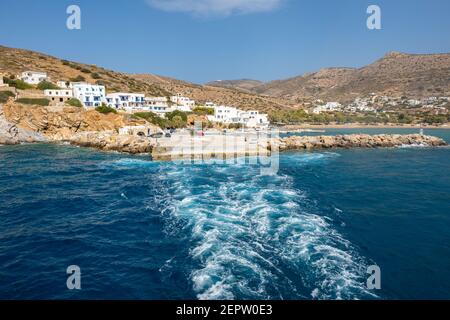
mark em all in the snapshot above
pixel 414 102
pixel 59 95
pixel 224 114
pixel 329 107
pixel 89 95
pixel 252 119
pixel 158 105
pixel 210 105
pixel 64 84
pixel 2 84
pixel 231 115
pixel 183 103
pixel 127 101
pixel 33 77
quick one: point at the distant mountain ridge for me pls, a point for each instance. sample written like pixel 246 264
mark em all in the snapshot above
pixel 396 74
pixel 246 85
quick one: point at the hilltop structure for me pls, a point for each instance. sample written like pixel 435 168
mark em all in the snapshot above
pixel 33 77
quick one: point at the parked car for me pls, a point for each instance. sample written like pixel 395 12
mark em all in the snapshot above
pixel 168 135
pixel 157 135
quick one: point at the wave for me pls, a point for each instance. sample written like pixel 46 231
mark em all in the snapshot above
pixel 412 146
pixel 129 163
pixel 254 237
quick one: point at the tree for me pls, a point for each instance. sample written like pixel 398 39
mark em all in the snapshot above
pixel 178 122
pixel 18 84
pixel 47 85
pixel 105 109
pixel 74 102
pixel 78 79
pixel 173 114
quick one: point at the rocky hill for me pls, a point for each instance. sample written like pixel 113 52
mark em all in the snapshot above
pixel 88 128
pixel 246 85
pixel 14 61
pixel 396 74
pixel 226 96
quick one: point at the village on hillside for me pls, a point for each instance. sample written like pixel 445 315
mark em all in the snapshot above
pixel 369 109
pixel 94 96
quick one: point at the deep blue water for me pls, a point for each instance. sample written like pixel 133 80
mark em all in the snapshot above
pixel 149 230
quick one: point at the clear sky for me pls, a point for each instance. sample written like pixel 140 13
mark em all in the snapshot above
pixel 203 40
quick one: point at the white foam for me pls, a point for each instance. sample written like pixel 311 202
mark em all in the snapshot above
pixel 413 146
pixel 246 231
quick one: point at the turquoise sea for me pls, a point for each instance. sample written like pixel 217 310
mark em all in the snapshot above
pixel 166 230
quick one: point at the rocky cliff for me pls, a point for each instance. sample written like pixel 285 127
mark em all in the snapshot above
pixel 29 123
pixel 10 133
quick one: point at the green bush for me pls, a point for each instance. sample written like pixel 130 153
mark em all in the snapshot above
pixel 74 102
pixel 85 70
pixel 46 85
pixel 78 79
pixel 203 111
pixel 4 96
pixel 178 122
pixel 65 62
pixel 436 119
pixel 153 118
pixel 19 84
pixel 101 83
pixel 39 102
pixel 173 114
pixel 95 75
pixel 175 119
pixel 235 126
pixel 105 109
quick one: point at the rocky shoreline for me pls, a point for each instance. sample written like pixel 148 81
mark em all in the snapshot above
pixel 11 133
pixel 356 141
pixel 87 128
pixel 28 124
pixel 111 141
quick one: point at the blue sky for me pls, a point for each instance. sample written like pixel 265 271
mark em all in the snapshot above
pixel 203 40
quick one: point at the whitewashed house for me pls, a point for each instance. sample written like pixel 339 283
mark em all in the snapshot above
pixel 182 103
pixel 2 84
pixel 158 105
pixel 33 77
pixel 64 84
pixel 210 104
pixel 89 95
pixel 231 115
pixel 253 119
pixel 126 101
pixel 59 96
pixel 328 107
pixel 224 114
